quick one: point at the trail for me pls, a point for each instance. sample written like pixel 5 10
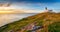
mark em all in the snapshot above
pixel 45 24
pixel 22 30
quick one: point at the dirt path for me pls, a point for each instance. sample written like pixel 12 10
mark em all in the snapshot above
pixel 22 30
pixel 45 24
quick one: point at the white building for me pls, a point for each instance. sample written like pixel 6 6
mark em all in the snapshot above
pixel 48 10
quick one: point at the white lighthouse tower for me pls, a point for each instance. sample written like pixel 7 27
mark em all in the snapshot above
pixel 48 10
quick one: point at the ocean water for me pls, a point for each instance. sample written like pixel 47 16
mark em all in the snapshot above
pixel 8 18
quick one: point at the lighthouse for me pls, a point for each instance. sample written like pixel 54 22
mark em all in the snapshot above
pixel 48 10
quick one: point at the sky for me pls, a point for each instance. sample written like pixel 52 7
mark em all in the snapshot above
pixel 36 5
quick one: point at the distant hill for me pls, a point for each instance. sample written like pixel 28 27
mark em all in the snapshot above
pixel 49 20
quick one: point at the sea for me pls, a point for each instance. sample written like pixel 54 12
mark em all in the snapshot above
pixel 9 18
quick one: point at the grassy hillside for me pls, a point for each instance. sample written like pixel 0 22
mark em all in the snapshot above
pixel 50 20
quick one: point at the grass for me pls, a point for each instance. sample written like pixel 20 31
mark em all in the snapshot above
pixel 55 27
pixel 39 18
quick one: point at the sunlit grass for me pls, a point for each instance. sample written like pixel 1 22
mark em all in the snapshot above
pixel 39 18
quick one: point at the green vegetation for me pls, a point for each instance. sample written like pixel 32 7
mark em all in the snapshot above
pixel 55 27
pixel 40 18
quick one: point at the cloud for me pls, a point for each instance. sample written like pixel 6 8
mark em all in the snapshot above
pixel 32 1
pixel 33 4
pixel 5 4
